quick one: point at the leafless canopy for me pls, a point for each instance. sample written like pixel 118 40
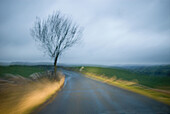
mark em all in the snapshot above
pixel 56 33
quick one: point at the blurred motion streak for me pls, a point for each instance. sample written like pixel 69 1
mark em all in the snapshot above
pixel 22 95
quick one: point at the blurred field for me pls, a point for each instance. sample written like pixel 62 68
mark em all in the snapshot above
pixel 156 87
pixel 122 74
pixel 24 71
pixel 155 70
pixel 20 95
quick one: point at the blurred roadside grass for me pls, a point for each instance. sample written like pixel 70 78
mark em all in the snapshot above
pixel 157 94
pixel 20 94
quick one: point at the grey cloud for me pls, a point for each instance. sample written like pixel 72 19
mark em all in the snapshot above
pixel 119 31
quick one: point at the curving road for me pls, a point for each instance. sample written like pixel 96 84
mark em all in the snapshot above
pixel 81 95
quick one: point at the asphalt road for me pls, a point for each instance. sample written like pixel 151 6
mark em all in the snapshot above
pixel 81 95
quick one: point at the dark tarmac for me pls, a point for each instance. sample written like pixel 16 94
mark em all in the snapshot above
pixel 81 95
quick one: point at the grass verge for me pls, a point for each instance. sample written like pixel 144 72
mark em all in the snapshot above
pixel 134 87
pixel 20 95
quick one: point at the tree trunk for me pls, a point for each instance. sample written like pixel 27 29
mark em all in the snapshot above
pixel 55 66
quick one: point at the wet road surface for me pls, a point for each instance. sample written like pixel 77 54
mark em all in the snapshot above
pixel 81 95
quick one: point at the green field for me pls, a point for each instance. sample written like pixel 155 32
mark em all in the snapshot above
pixel 24 71
pixel 123 74
pixel 154 70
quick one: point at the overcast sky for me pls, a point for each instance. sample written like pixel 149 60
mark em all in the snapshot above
pixel 115 31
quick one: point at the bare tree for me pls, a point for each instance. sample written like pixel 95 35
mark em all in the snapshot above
pixel 56 34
